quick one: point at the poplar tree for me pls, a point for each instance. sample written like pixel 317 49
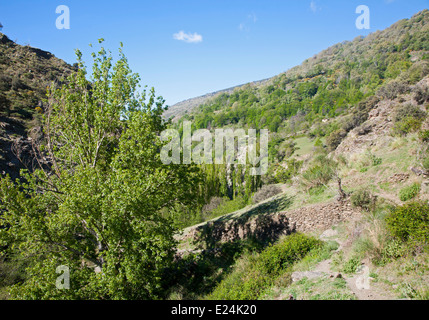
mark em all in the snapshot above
pixel 96 206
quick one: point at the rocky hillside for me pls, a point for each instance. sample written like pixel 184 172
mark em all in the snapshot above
pixel 179 109
pixel 25 73
pixel 326 85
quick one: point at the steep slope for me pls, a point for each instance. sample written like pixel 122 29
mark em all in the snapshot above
pixel 326 85
pixel 25 73
pixel 179 109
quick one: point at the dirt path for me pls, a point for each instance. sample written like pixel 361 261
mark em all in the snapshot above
pixel 360 284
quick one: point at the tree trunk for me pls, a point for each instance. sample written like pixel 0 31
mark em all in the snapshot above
pixel 341 194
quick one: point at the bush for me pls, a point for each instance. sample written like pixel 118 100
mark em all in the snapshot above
pixel 424 136
pixel 266 192
pixel 409 192
pixel 418 71
pixel 253 274
pixel 316 191
pixel 367 105
pixel 335 138
pixel 355 120
pixel 17 84
pixel 363 199
pixel 393 89
pixel 319 174
pixel 352 265
pixel 279 257
pixel 410 222
pixel 421 94
pixel 5 83
pixel 281 174
pixel 409 110
pixel 407 125
pixel 318 143
pixel 214 203
pixel 408 118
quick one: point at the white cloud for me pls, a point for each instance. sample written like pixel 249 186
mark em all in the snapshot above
pixel 314 7
pixel 251 19
pixel 188 37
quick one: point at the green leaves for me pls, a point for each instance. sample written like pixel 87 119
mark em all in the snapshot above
pixel 410 222
pixel 104 207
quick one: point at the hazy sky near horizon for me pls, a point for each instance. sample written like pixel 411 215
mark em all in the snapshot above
pixel 188 48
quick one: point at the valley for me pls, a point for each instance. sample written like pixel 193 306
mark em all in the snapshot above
pixel 341 214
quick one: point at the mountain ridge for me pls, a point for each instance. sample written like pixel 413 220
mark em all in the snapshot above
pixel 320 63
pixel 182 107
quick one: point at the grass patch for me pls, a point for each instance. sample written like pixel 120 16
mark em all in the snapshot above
pixel 409 192
pixel 226 206
pixel 315 256
pixel 318 289
pixel 304 146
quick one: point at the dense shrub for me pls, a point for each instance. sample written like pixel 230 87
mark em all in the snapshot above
pixel 279 257
pixel 4 103
pixel 393 89
pixel 335 138
pixel 267 191
pixel 418 71
pixel 408 110
pixel 319 173
pixel 253 274
pixel 214 203
pixel 407 125
pixel 410 222
pixel 355 120
pixel 408 118
pixel 18 84
pixel 421 94
pixel 392 250
pixel 5 83
pixel 367 105
pixel 280 173
pixel 363 199
pixel 409 192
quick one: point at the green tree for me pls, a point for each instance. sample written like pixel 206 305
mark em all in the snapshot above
pixel 100 207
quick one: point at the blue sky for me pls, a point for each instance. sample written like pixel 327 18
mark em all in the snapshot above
pixel 188 48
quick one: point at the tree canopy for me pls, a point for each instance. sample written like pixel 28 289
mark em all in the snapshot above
pixel 101 204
